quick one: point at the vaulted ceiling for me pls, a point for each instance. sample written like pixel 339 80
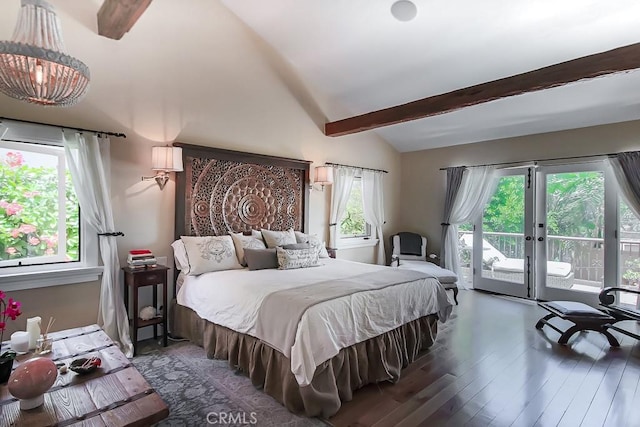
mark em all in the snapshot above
pixel 356 58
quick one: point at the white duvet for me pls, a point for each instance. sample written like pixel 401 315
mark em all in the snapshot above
pixel 232 298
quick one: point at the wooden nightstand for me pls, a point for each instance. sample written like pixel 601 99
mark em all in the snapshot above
pixel 136 278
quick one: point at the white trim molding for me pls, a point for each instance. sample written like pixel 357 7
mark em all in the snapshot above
pixel 356 242
pixel 51 277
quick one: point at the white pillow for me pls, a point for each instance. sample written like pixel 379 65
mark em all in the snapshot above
pixel 242 242
pixel 180 256
pixel 296 258
pixel 314 242
pixel 210 253
pixel 278 238
pixel 257 234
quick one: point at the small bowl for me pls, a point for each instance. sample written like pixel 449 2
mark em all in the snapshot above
pixel 76 366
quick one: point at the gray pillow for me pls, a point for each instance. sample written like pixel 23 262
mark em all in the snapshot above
pixel 296 246
pixel 261 259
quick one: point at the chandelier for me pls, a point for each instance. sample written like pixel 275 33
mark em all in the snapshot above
pixel 33 65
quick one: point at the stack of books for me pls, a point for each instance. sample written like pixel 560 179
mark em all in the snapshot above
pixel 141 258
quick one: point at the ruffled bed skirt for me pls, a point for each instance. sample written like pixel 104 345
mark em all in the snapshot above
pixel 378 359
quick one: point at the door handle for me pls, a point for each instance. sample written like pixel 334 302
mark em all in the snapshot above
pixel 540 239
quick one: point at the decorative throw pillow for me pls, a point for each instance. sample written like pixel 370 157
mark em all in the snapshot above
pixel 313 241
pixel 260 259
pixel 180 255
pixel 296 258
pixel 258 235
pixel 243 242
pixel 210 253
pixel 278 238
pixel 296 246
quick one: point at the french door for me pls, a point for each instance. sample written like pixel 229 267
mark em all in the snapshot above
pixel 576 226
pixel 549 233
pixel 503 245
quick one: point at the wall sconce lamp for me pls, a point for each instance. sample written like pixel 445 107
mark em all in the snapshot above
pixel 164 160
pixel 324 176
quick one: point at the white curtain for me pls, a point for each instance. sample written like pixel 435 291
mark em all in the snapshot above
pixel 88 160
pixel 373 205
pixel 342 182
pixel 478 185
pixel 628 181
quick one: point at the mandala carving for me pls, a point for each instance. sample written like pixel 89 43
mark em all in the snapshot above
pixel 227 196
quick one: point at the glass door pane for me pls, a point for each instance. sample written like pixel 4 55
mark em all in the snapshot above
pixel 504 259
pixel 629 255
pixel 571 233
pixel 465 236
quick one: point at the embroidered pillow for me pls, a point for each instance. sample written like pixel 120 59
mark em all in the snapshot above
pixel 313 241
pixel 260 259
pixel 210 253
pixel 242 242
pixel 278 238
pixel 296 258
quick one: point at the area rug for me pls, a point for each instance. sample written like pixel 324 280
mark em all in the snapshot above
pixel 201 391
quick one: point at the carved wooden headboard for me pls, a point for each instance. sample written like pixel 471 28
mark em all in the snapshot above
pixel 222 191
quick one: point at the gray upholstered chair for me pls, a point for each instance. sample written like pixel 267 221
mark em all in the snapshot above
pixel 410 252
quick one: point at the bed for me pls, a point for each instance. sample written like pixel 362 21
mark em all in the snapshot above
pixel 354 323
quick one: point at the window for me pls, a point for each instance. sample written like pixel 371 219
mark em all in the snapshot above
pixel 39 213
pixel 42 242
pixel 353 224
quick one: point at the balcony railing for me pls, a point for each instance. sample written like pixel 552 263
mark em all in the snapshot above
pixel 585 254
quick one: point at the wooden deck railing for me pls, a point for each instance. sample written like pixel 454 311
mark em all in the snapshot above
pixel 585 254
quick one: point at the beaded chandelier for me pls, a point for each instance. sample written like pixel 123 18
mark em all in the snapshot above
pixel 33 65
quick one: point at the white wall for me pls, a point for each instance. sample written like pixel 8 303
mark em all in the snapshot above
pixel 423 185
pixel 206 81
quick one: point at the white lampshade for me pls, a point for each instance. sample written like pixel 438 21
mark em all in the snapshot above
pixel 168 159
pixel 324 175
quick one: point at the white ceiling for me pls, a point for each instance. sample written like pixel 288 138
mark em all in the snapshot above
pixel 356 58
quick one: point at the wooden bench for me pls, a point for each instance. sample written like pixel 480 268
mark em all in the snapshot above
pixel 627 318
pixel 583 317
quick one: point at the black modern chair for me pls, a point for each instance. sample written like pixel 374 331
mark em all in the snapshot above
pixel 627 318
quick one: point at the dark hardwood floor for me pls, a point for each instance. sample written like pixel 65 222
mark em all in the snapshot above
pixel 491 367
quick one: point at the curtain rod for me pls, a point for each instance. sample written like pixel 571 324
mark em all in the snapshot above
pixel 355 167
pixel 119 135
pixel 541 160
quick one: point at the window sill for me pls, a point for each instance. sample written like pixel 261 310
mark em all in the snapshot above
pixel 356 243
pixel 42 279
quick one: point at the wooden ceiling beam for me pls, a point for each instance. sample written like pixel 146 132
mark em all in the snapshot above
pixel 117 17
pixel 613 61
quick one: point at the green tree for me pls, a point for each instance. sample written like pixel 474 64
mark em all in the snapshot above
pixel 575 204
pixel 353 222
pixel 505 211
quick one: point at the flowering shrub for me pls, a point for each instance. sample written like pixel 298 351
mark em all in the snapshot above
pixel 8 310
pixel 29 210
